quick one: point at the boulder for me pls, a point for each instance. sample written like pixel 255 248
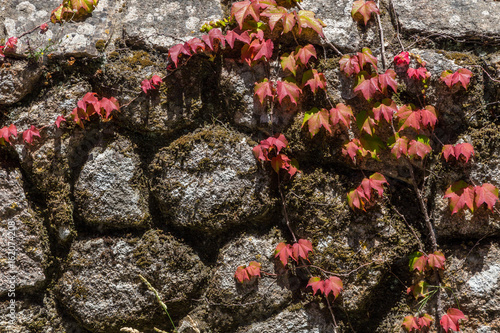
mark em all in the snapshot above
pixel 111 191
pixel 101 287
pixel 209 181
pixel 23 243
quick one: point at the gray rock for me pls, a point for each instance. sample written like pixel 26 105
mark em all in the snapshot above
pixel 45 108
pixel 341 30
pixel 101 287
pixel 456 18
pixel 162 25
pixel 262 298
pixel 305 320
pixel 40 315
pixel 473 272
pixel 17 81
pixel 209 181
pixel 83 39
pixel 111 191
pixel 23 241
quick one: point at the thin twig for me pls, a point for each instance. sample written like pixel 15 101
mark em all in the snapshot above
pixel 420 244
pixel 285 211
pixel 333 316
pixel 381 34
pixel 397 26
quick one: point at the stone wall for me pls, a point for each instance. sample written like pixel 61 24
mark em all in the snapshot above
pixel 169 188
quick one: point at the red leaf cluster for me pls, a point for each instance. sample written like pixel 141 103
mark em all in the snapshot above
pixel 90 105
pixel 411 323
pixel 463 196
pixel 72 10
pixel 150 84
pixel 247 272
pixel 421 262
pixel 331 285
pixel 298 250
pixel 410 117
pixel 451 318
pixel 316 119
pixel 461 76
pixel 459 151
pixel 363 194
pixel 355 64
pixel 6 133
pixel 368 146
pixel 270 150
pixel 420 73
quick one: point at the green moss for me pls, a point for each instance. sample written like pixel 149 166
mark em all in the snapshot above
pixel 79 290
pixel 462 59
pixel 100 45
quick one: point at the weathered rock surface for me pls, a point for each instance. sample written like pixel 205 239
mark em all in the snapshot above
pixel 261 298
pixel 83 39
pixel 111 191
pixel 456 18
pixel 42 314
pixel 474 273
pixel 162 25
pixel 23 241
pixel 101 287
pixel 18 81
pixel 309 320
pixel 209 181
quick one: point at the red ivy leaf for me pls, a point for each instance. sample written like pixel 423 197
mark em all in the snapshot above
pixel 316 119
pixel 448 150
pixel 333 285
pixel 194 44
pixel 281 161
pixel 108 106
pixel 352 148
pixel 341 113
pixel 408 117
pixel 410 323
pixel 402 59
pixel 59 120
pixel 241 274
pixel 264 50
pixel 301 249
pixel 400 146
pixel 349 65
pixel 264 89
pixel 146 86
pixel 29 134
pixel 436 260
pixel 460 195
pixel 288 62
pixel 274 14
pixel 305 53
pixel 177 50
pixel 283 251
pixel 386 109
pixel 7 132
pixel 368 87
pixel 253 268
pixel 419 147
pixel 316 284
pixel 240 10
pixel 462 76
pixel 425 321
pixel 418 261
pixel 362 10
pixel 290 89
pixel 314 80
pixel 451 318
pixel 366 57
pixel 388 79
pixel 306 19
pixel 355 198
pixel 487 194
pixel 464 149
pixel 428 116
